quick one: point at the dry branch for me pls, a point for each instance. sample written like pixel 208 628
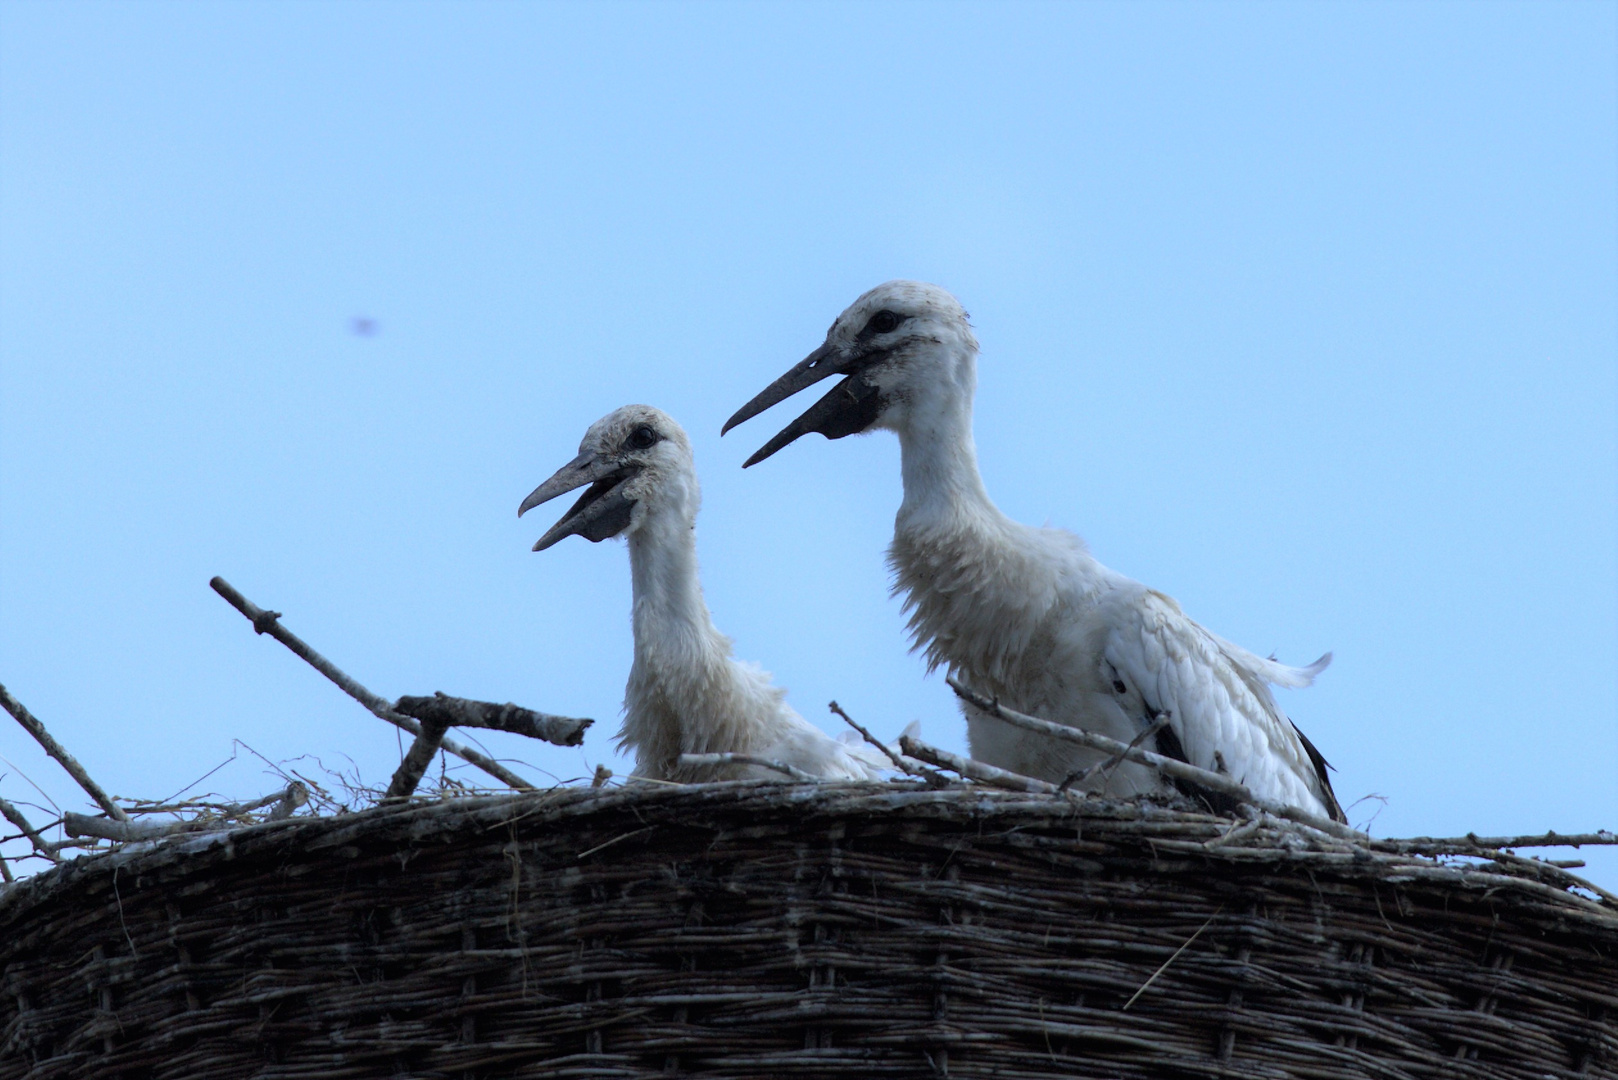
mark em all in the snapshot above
pixel 898 762
pixel 87 825
pixel 690 760
pixel 55 749
pixel 1238 834
pixel 462 712
pixel 1356 859
pixel 1165 965
pixel 1080 775
pixel 1179 770
pixel 1552 873
pixel 974 770
pixel 1472 842
pixel 268 622
pixel 416 760
pixel 75 842
pixel 15 816
pixel 293 797
pixel 286 801
pixel 933 779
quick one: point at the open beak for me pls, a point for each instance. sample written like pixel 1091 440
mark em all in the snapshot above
pixel 850 407
pixel 602 511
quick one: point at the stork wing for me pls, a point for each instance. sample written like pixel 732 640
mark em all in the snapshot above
pixel 1220 709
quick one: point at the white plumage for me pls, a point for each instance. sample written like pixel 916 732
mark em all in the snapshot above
pixel 1027 614
pixel 686 694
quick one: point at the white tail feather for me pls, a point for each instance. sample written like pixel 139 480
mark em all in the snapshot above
pixel 1273 671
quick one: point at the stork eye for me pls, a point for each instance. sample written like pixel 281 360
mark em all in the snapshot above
pixel 884 322
pixel 642 438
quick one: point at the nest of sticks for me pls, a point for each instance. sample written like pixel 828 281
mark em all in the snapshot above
pixel 783 929
pixel 993 924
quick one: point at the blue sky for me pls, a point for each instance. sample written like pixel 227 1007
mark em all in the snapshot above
pixel 1302 313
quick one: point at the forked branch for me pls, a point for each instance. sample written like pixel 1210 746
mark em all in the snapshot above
pixel 268 622
pixel 463 712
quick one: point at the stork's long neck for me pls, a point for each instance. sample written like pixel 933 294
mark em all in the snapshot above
pixel 942 487
pixel 685 693
pixel 672 626
pixel 977 584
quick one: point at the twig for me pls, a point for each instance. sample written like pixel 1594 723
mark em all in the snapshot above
pixel 267 622
pixel 1112 763
pixel 1540 868
pixel 614 840
pixel 286 801
pixel 1491 847
pixel 86 825
pixel 1237 833
pixel 1170 960
pixel 974 770
pixel 75 842
pixel 1180 770
pixel 32 725
pixel 30 780
pixel 13 815
pixel 5 870
pixel 294 794
pixel 692 760
pixel 415 762
pixel 1459 845
pixel 463 712
pixel 898 762
pixel 932 778
pixel 654 781
pixel 603 774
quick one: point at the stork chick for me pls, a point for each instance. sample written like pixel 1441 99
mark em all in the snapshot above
pixel 1025 614
pixel 686 694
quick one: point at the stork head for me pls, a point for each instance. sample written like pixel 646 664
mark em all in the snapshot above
pixel 903 349
pixel 634 460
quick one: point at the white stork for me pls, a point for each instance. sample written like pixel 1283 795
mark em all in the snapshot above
pixel 1025 614
pixel 687 694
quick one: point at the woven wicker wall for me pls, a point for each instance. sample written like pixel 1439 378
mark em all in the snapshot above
pixel 783 931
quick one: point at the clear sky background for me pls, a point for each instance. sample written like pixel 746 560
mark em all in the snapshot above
pixel 1302 313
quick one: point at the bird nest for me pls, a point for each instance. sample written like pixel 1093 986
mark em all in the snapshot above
pixel 746 930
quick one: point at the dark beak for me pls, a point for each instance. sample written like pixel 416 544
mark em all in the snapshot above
pixel 602 511
pixel 852 405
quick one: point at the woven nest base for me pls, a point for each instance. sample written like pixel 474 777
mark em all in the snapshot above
pixel 748 930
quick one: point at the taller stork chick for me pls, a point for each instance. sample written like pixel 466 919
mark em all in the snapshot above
pixel 686 694
pixel 1025 614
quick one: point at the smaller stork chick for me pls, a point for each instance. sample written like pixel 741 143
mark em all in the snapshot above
pixel 686 694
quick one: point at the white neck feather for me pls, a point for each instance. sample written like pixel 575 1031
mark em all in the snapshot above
pixel 667 588
pixel 976 584
pixel 685 692
pixel 940 465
